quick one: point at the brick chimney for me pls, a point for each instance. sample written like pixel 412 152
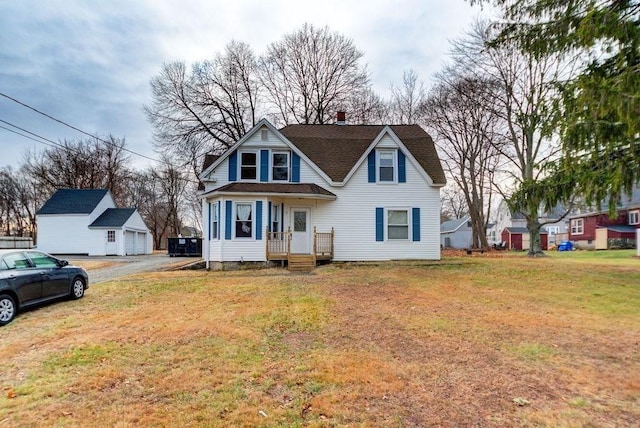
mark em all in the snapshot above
pixel 341 118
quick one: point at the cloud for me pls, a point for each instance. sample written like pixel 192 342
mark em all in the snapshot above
pixel 89 64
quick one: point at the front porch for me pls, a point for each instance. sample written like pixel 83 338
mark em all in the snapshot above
pixel 279 248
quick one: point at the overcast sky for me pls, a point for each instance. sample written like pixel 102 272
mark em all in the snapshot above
pixel 89 63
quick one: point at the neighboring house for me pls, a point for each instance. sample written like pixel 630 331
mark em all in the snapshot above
pixel 517 225
pixel 518 238
pixel 456 233
pixel 87 221
pixel 310 192
pixel 594 229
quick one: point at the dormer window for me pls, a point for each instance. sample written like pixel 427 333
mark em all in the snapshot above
pixel 280 169
pixel 248 165
pixel 386 166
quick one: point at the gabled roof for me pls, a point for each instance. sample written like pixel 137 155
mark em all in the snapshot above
pixel 301 189
pixel 113 217
pixel 522 230
pixel 336 149
pixel 453 225
pixel 73 201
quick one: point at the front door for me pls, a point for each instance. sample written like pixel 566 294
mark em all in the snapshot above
pixel 301 234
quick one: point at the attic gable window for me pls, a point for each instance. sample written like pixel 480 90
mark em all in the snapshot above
pixel 386 166
pixel 248 165
pixel 280 169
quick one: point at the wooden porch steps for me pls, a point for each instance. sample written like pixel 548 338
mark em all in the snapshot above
pixel 301 263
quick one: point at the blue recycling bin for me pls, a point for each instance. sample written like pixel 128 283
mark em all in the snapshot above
pixel 565 246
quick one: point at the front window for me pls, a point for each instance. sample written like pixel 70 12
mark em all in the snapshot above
pixel 111 236
pixel 397 224
pixel 634 217
pixel 41 260
pixel 386 162
pixel 577 226
pixel 244 221
pixel 275 218
pixel 280 170
pixel 214 221
pixel 248 165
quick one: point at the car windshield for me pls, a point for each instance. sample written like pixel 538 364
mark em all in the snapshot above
pixel 41 260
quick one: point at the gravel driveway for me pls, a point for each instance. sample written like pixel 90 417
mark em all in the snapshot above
pixel 134 264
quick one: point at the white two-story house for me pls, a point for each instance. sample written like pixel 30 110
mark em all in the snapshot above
pixel 312 192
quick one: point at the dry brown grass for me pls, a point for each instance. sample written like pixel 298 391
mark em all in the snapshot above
pixel 401 344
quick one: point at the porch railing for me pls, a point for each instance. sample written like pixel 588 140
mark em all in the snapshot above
pixel 279 245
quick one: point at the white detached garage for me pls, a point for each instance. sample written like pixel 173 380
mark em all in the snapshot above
pixel 87 221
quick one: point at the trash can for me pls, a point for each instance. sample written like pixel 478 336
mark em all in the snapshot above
pixel 565 246
pixel 189 247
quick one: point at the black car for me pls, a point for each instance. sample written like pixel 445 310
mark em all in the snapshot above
pixel 30 277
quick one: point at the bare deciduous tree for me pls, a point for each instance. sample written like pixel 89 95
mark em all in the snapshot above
pixel 82 164
pixel 459 111
pixel 207 109
pixel 527 88
pixel 310 73
pixel 406 100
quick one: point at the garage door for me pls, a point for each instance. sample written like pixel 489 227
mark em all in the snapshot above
pixel 141 243
pixel 129 243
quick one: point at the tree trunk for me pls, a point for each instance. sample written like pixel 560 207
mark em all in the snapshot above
pixel 533 226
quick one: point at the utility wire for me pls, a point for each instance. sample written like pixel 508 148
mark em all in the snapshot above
pixel 25 136
pixel 73 127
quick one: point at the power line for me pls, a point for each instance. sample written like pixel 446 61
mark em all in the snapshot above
pixel 25 136
pixel 73 127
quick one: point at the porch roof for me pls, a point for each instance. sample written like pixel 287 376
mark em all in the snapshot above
pixel 299 190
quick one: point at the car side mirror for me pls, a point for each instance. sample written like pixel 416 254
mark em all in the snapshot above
pixel 62 263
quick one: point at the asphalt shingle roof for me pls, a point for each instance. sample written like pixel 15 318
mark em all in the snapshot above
pixel 453 225
pixel 73 201
pixel 290 188
pixel 113 217
pixel 336 148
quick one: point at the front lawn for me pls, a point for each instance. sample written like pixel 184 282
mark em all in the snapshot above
pixel 469 341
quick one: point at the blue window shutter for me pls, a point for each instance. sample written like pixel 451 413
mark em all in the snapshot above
pixel 269 217
pixel 264 165
pixel 372 166
pixel 258 220
pixel 402 167
pixel 295 168
pixel 379 224
pixel 233 166
pixel 228 220
pixel 209 224
pixel 415 219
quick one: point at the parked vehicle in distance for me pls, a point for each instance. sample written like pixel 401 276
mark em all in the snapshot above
pixel 31 277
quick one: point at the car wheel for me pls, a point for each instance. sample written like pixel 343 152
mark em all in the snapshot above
pixel 7 309
pixel 77 288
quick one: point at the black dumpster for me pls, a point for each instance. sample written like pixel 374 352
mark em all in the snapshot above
pixel 189 247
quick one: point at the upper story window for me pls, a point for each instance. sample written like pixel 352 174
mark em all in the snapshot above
pixel 280 166
pixel 248 165
pixel 634 217
pixel 386 166
pixel 577 226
